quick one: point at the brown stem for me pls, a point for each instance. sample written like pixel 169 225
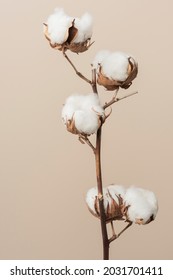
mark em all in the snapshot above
pixel 94 81
pixel 115 236
pixel 75 69
pixel 116 99
pixel 100 196
pixel 99 181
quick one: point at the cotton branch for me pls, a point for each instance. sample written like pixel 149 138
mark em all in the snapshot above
pixel 116 99
pixel 75 69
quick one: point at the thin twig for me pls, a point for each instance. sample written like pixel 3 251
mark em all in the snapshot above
pixel 84 139
pixel 116 99
pixel 115 236
pixel 108 115
pixel 75 69
pixel 112 227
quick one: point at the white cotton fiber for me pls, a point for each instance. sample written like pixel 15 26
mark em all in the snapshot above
pixel 84 26
pixel 85 111
pixel 58 24
pixel 115 66
pixel 86 121
pixel 70 107
pixel 91 101
pixel 115 191
pixel 90 198
pixel 100 56
pixel 142 204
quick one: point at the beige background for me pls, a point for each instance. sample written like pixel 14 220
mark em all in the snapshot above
pixel 44 171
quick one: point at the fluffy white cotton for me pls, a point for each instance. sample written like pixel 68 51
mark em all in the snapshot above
pixel 86 121
pixel 91 197
pixel 85 111
pixel 115 191
pixel 58 24
pixel 142 204
pixel 84 26
pixel 115 66
pixel 100 56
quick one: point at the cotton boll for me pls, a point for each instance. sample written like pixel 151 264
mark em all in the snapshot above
pixel 84 26
pixel 115 66
pixel 142 205
pixel 81 114
pixel 116 70
pixel 68 33
pixel 100 56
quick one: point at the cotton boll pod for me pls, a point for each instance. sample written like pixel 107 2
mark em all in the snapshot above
pixel 61 30
pixel 140 205
pixel 82 114
pixel 117 70
pixel 112 206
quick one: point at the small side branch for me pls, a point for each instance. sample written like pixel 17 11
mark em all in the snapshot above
pixel 115 236
pixel 75 69
pixel 84 139
pixel 116 99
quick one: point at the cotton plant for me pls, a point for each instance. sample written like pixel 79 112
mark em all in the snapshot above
pixel 84 115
